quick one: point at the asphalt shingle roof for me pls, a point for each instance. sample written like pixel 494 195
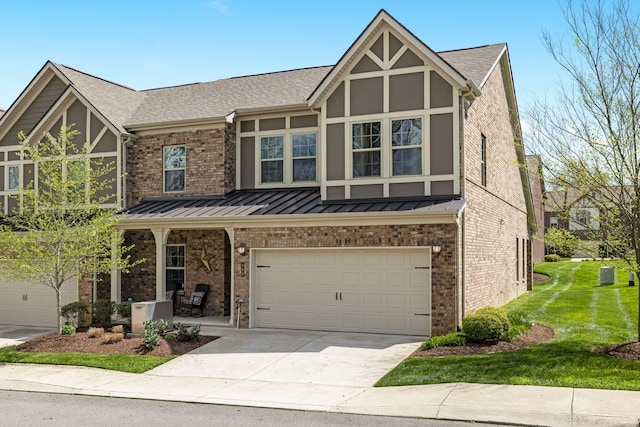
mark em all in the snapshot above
pixel 221 97
pixel 116 102
pixel 125 107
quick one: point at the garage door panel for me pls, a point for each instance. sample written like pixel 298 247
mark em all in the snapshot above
pixel 366 290
pixel 29 304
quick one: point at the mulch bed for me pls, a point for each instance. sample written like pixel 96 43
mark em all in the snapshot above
pixel 628 351
pixel 535 335
pixel 81 343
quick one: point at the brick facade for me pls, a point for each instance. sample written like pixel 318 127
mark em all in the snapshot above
pixel 140 282
pixel 443 292
pixel 210 163
pixel 495 219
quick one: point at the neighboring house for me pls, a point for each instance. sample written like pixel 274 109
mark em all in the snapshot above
pixel 538 195
pixel 380 194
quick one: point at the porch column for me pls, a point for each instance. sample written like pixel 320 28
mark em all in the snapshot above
pixel 232 309
pixel 116 285
pixel 160 235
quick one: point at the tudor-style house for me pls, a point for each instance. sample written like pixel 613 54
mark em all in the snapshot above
pixel 385 193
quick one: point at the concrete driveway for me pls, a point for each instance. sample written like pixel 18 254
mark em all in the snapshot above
pixel 14 335
pixel 292 356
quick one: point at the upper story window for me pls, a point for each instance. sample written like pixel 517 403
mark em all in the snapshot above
pixel 406 142
pixel 288 158
pixel 483 160
pixel 14 177
pixel 272 158
pixel 303 147
pixel 366 145
pixel 174 165
pixel 553 221
pixel 394 142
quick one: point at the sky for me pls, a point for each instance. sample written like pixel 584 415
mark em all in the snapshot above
pixel 149 44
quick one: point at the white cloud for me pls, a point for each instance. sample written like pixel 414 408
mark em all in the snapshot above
pixel 222 8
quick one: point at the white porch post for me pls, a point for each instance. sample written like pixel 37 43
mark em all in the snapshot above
pixel 232 300
pixel 160 235
pixel 116 284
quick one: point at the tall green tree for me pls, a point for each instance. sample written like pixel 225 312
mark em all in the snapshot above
pixel 61 229
pixel 588 133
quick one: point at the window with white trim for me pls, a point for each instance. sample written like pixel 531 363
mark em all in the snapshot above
pixel 483 160
pixel 406 143
pixel 174 267
pixel 390 147
pixel 272 158
pixel 288 158
pixel 366 145
pixel 14 178
pixel 303 155
pixel 174 168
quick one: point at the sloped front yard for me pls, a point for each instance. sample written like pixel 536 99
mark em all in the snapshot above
pixel 587 319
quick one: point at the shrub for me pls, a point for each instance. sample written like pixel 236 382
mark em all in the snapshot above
pixel 186 333
pixel 124 309
pixel 95 332
pixel 112 338
pixel 118 329
pixel 487 325
pixel 150 337
pixel 452 339
pixel 68 330
pixel 552 258
pixel 170 336
pixel 519 318
pixel 103 309
pixel 72 311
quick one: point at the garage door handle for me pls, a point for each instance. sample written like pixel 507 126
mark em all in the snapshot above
pixel 422 268
pixel 263 266
pixel 338 296
pixel 421 314
pixel 263 308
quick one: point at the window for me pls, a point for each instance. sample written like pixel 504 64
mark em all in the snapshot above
pixel 303 148
pixel 174 267
pixel 483 160
pixel 406 143
pixel 272 158
pixel 365 142
pixel 517 259
pixel 553 221
pixel 14 177
pixel 175 162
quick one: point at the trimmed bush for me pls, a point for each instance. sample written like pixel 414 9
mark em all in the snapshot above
pixel 68 330
pixel 118 329
pixel 552 258
pixel 72 311
pixel 95 332
pixel 103 309
pixel 452 339
pixel 124 309
pixel 152 331
pixel 112 338
pixel 186 333
pixel 487 325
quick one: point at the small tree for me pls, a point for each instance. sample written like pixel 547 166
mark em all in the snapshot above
pixel 62 230
pixel 560 241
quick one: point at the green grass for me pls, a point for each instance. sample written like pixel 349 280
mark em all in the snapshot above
pixel 116 362
pixel 584 315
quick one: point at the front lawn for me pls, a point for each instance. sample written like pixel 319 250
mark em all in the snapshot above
pixel 117 362
pixel 584 315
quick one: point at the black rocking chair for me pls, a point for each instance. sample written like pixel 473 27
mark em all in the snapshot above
pixel 196 299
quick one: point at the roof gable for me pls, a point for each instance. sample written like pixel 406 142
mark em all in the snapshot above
pixel 369 39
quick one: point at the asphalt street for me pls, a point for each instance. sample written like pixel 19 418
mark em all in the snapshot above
pixel 52 410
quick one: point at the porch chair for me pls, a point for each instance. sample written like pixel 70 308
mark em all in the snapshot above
pixel 196 299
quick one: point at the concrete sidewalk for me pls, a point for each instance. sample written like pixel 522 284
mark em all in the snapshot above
pixel 521 405
pixel 320 371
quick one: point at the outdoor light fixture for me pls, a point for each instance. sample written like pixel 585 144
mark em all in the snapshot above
pixel 242 249
pixel 436 248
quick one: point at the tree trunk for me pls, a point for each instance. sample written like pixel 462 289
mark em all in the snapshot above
pixel 59 304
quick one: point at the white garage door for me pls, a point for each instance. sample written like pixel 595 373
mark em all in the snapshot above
pixel 29 304
pixel 361 290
